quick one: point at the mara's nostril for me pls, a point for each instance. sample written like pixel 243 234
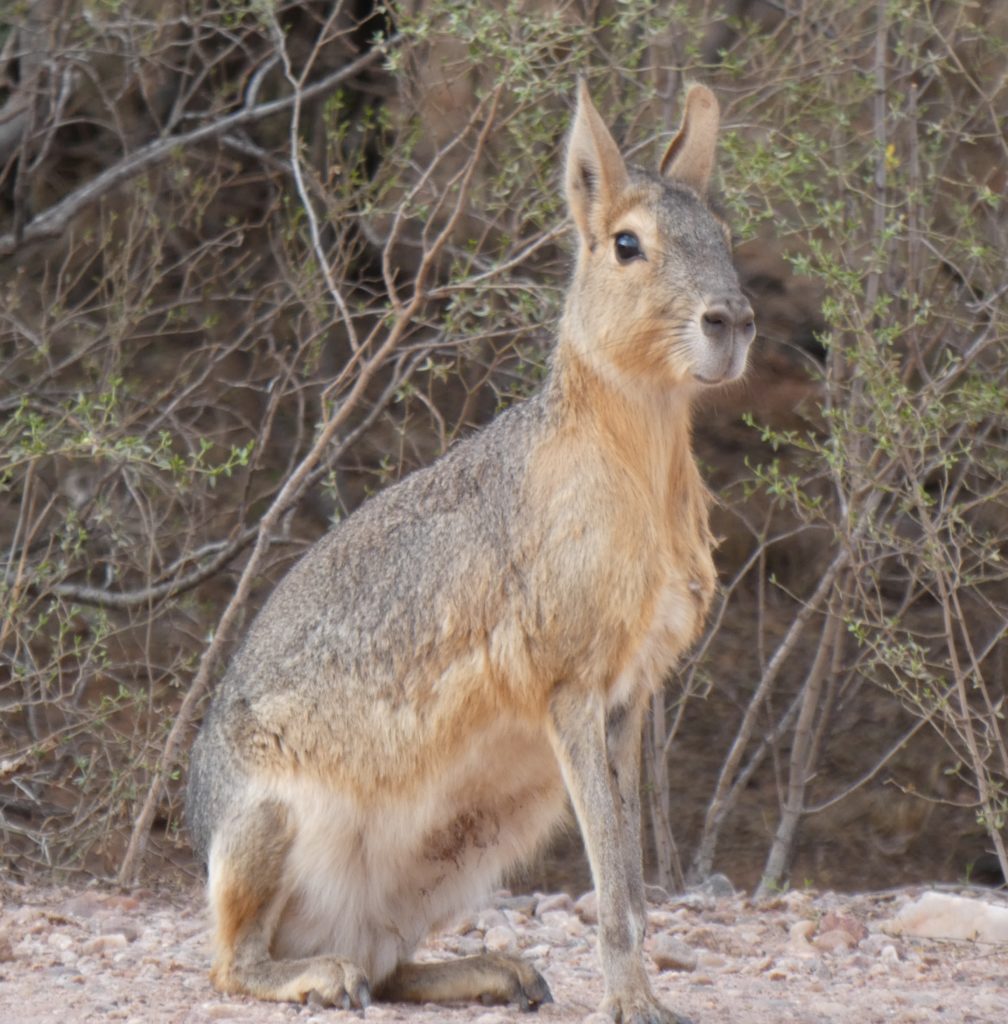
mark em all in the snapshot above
pixel 716 322
pixel 722 321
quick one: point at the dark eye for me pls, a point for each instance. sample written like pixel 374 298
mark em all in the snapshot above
pixel 628 247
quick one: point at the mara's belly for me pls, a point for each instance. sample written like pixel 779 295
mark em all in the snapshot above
pixel 369 881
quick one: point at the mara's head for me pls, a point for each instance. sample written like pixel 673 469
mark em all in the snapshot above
pixel 655 296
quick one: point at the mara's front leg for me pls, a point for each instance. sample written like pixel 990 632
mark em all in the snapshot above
pixel 623 751
pixel 578 734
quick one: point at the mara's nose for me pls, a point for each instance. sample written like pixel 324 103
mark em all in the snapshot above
pixel 728 317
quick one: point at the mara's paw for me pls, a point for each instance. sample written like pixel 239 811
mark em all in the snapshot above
pixel 327 981
pixel 641 1009
pixel 524 985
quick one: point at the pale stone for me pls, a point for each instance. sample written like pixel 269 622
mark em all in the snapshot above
pixel 942 916
pixel 557 901
pixel 710 961
pixel 462 925
pixel 844 923
pixel 491 917
pixel 587 907
pixel 671 954
pixel 105 943
pixel 500 939
pixel 718 886
pixel 220 1011
pixel 834 941
pixel 798 938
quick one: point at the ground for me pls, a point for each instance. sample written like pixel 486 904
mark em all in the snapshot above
pixel 92 954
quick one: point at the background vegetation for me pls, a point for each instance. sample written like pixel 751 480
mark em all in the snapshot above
pixel 260 259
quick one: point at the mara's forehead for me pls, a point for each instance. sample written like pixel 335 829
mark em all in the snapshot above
pixel 673 205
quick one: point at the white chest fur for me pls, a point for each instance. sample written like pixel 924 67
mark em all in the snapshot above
pixel 675 621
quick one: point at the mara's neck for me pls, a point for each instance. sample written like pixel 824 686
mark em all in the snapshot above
pixel 644 427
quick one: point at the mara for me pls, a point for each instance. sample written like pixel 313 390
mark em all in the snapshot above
pixel 427 687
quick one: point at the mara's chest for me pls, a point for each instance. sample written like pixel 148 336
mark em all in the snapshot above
pixel 670 624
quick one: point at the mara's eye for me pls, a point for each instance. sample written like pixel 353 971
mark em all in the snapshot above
pixel 628 247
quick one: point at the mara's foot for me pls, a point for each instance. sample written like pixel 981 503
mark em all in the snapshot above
pixel 641 1009
pixel 490 978
pixel 321 980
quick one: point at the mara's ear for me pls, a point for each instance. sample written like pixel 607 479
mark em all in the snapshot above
pixel 596 174
pixel 690 156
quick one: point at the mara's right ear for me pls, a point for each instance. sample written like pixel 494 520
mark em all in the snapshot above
pixel 690 156
pixel 596 173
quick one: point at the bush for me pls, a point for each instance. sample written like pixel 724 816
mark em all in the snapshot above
pixel 259 262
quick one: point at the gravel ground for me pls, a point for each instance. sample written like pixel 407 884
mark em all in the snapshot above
pixel 92 954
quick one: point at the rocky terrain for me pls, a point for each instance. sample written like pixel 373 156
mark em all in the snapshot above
pixel 76 955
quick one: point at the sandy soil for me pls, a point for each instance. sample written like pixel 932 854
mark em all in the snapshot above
pixel 71 955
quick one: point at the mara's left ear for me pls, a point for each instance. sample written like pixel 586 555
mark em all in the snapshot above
pixel 690 156
pixel 596 173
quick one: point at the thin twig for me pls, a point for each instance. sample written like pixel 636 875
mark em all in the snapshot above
pixel 54 221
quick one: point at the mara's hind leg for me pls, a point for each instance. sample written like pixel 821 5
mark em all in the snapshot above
pixel 247 896
pixel 490 978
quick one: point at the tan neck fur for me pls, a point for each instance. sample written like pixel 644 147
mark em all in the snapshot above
pixel 645 429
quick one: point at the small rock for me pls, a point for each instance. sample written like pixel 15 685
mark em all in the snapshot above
pixel 463 925
pixel 553 936
pixel 60 940
pixel 491 917
pixel 558 901
pixel 555 919
pixel 88 904
pixel 671 954
pixel 844 923
pixel 872 944
pixel 834 941
pixel 500 939
pixel 665 919
pixel 469 945
pixel 105 943
pixel 516 918
pixel 797 902
pixel 798 940
pixel 586 907
pixel 718 886
pixel 6 950
pixel 708 961
pixel 889 955
pixel 221 1011
pixel 520 904
pixel 122 926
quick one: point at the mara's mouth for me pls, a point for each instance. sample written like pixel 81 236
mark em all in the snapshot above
pixel 711 382
pixel 731 372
